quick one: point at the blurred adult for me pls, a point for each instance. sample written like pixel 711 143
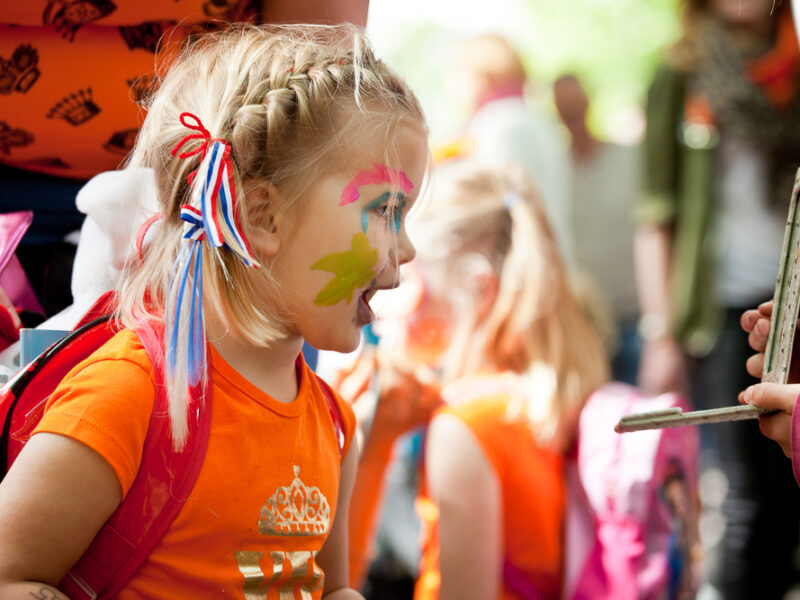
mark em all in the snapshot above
pixel 722 146
pixel 490 76
pixel 604 183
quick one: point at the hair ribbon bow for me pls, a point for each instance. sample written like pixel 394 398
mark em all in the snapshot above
pixel 212 216
pixel 213 209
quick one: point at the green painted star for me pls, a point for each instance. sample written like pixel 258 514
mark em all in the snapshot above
pixel 351 269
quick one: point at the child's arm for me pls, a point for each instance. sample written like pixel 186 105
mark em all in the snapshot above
pixel 333 556
pixel 466 490
pixel 404 403
pixel 53 501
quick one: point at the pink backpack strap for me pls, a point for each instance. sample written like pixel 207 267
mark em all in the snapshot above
pixel 519 582
pixel 162 485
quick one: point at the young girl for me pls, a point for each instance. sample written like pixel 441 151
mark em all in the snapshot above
pixel 286 160
pixel 518 359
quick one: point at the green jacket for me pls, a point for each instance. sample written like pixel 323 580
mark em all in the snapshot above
pixel 679 167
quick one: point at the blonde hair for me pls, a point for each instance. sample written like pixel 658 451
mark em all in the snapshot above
pixel 535 326
pixel 493 59
pixel 287 99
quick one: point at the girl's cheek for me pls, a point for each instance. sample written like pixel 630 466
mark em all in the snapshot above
pixel 385 244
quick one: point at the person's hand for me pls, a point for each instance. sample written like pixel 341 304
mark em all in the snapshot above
pixel 407 398
pixel 662 367
pixel 756 322
pixel 781 398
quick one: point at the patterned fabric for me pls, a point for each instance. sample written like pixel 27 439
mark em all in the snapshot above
pixel 71 76
pixel 753 95
pixel 266 496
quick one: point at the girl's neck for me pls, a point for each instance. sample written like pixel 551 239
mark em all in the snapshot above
pixel 272 369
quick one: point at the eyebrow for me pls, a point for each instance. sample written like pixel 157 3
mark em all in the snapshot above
pixel 378 174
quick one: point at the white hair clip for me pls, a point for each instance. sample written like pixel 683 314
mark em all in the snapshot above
pixel 510 200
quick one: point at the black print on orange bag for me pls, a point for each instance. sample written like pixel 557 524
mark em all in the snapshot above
pixel 70 15
pixel 121 142
pixel 20 72
pixel 142 87
pixel 146 35
pixel 10 137
pixel 75 109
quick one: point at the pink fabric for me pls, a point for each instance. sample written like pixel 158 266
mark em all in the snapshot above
pixel 12 276
pixel 622 538
pixel 618 525
pixel 510 90
pixel 794 440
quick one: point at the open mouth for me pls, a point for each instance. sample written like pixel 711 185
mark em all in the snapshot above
pixel 365 313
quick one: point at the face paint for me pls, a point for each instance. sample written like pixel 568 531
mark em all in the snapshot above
pixel 378 174
pixel 396 219
pixel 351 269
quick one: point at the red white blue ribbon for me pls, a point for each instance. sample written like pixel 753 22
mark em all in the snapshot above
pixel 210 216
pixel 213 199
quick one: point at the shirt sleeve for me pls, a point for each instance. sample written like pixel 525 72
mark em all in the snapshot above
pixel 106 405
pixel 665 100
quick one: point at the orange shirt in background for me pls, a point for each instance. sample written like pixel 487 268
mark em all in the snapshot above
pixel 532 486
pixel 72 73
pixel 265 498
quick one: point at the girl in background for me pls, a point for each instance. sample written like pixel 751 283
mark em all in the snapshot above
pixel 518 359
pixel 285 161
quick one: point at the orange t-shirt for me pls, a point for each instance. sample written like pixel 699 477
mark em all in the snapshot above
pixel 265 499
pixel 532 486
pixel 73 71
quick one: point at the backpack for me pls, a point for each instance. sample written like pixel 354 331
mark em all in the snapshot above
pixel 165 477
pixel 631 520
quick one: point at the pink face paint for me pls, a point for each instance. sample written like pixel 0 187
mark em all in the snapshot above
pixel 378 174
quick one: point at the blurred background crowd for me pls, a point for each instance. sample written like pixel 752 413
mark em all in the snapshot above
pixel 658 141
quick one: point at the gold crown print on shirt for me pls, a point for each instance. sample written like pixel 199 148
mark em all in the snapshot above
pixel 296 510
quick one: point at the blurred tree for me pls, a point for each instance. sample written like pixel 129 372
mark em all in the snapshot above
pixel 613 45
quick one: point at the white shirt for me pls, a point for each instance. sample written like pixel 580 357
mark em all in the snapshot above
pixel 507 130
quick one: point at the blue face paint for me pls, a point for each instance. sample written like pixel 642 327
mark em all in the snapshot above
pixel 398 213
pixel 396 218
pixel 377 202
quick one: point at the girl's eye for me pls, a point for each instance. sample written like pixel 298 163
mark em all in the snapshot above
pixel 386 209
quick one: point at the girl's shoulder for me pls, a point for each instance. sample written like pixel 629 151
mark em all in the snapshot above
pixel 124 346
pixel 105 402
pixel 488 393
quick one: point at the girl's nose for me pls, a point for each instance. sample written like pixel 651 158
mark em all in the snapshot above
pixel 405 248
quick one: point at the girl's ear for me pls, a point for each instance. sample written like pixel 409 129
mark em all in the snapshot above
pixel 263 200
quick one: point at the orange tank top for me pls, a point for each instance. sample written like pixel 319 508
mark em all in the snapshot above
pixel 532 486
